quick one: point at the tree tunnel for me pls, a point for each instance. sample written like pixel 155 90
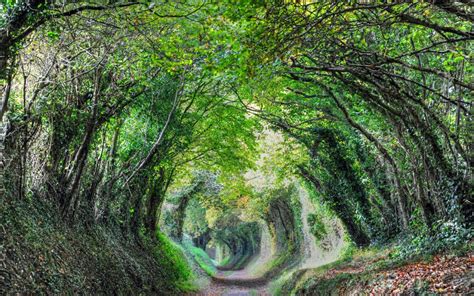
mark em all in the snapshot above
pixel 238 244
pixel 202 240
pixel 140 135
pixel 187 203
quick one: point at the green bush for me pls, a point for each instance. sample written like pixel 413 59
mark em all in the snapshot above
pixel 443 236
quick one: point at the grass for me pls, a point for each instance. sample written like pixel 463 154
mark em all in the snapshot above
pixel 172 259
pixel 225 261
pixel 202 259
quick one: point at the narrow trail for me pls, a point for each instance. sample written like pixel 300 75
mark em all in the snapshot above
pixel 235 283
pixel 248 281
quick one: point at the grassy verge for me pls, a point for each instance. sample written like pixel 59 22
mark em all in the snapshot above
pixel 201 258
pixel 382 270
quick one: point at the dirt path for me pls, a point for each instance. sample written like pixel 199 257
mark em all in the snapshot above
pixel 235 283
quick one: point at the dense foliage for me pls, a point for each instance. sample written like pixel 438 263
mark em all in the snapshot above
pixel 380 95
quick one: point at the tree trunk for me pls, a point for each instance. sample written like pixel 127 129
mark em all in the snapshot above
pixel 157 191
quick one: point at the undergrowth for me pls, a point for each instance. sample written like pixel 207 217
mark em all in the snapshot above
pixel 443 238
pixel 45 256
